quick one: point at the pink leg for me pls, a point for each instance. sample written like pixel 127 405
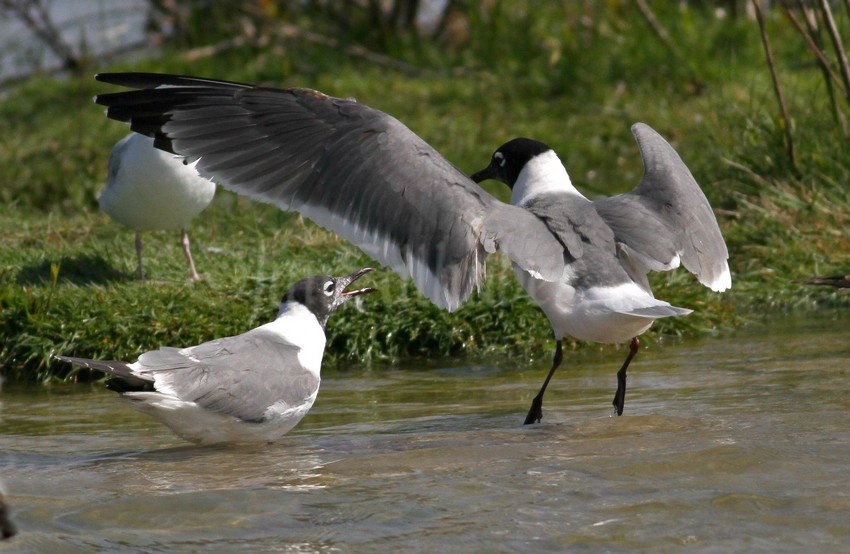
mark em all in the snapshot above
pixel 140 272
pixel 184 240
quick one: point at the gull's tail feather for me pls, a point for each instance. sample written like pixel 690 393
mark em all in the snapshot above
pixel 123 380
pixel 656 312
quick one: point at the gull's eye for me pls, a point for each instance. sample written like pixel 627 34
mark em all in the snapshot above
pixel 499 158
pixel 328 288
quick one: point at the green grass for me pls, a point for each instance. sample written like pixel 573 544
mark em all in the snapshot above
pixel 66 271
pixel 68 286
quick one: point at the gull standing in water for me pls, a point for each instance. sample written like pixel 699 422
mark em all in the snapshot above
pixel 611 244
pixel 250 387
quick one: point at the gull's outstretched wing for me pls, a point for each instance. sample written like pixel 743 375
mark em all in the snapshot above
pixel 666 220
pixel 350 168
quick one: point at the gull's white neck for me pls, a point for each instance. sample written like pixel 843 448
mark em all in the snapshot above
pixel 543 174
pixel 297 325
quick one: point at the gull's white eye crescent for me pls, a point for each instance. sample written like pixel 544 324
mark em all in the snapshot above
pixel 328 288
pixel 499 157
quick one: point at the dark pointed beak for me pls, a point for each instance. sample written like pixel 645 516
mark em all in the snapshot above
pixel 348 279
pixel 488 172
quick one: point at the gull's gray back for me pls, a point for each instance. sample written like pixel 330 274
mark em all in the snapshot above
pixel 589 247
pixel 241 376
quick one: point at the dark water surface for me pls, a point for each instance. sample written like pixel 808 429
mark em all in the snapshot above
pixel 733 444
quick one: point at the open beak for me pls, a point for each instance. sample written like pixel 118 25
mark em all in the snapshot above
pixel 348 279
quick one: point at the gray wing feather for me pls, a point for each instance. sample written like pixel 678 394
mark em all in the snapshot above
pixel 667 215
pixel 350 168
pixel 527 240
pixel 241 375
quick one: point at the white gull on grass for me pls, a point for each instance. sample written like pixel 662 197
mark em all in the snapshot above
pixel 152 190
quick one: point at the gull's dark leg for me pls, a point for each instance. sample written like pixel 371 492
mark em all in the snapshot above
pixel 535 414
pixel 620 395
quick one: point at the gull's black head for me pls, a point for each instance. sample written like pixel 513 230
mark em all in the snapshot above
pixel 323 294
pixel 509 159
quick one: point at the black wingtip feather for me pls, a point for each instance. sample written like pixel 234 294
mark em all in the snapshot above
pixel 160 141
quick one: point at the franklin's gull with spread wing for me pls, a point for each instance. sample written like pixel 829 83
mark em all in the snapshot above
pixel 361 173
pixel 611 244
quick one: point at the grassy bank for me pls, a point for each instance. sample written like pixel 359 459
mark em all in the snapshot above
pixel 66 271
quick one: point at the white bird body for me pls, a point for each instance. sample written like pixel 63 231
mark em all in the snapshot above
pixel 612 312
pixel 195 424
pixel 151 190
pixel 599 314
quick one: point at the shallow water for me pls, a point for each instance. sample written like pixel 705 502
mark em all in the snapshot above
pixel 739 443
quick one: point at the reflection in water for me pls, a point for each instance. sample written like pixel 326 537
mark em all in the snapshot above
pixel 731 444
